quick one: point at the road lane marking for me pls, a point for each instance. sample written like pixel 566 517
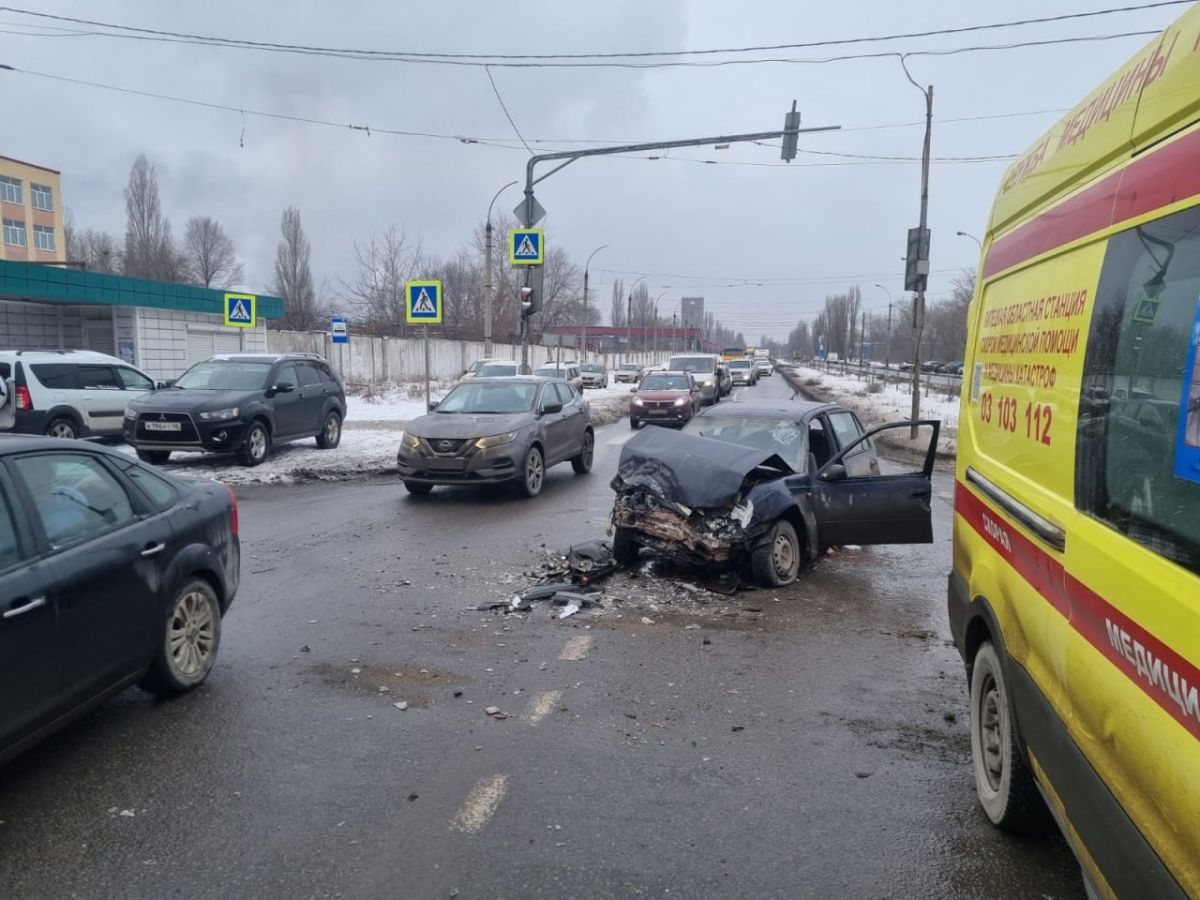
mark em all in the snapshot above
pixel 480 805
pixel 542 705
pixel 576 648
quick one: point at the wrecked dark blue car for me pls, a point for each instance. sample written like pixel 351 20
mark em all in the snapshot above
pixel 768 486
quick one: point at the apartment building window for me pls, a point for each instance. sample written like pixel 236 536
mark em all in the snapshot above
pixel 43 237
pixel 14 232
pixel 42 196
pixel 10 189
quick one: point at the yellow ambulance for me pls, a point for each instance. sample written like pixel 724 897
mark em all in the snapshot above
pixel 1075 591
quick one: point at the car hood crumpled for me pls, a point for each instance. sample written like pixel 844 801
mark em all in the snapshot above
pixel 685 468
pixel 459 426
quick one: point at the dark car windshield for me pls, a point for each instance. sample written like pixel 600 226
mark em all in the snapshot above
pixel 489 398
pixel 739 364
pixel 552 373
pixel 226 375
pixel 591 367
pixel 782 436
pixel 629 367
pixel 693 363
pixel 664 383
pixel 491 370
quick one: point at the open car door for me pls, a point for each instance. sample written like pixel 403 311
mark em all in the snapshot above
pixel 876 509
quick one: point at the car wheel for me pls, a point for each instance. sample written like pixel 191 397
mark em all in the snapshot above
pixel 533 472
pixel 154 457
pixel 255 445
pixel 1006 789
pixel 775 560
pixel 582 464
pixel 62 427
pixel 191 634
pixel 331 432
pixel 416 487
pixel 635 424
pixel 625 548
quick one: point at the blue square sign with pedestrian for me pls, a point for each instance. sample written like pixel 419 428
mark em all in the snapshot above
pixel 424 302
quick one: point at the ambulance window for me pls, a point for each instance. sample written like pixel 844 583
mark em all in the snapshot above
pixel 1138 452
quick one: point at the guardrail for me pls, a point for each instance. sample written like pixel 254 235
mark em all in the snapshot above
pixel 872 372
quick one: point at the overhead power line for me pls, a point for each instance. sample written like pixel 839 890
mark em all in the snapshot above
pixel 557 59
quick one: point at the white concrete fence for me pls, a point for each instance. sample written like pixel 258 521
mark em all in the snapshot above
pixel 383 360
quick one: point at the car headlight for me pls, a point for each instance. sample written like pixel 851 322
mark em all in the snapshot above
pixel 130 414
pixel 411 441
pixel 708 382
pixel 682 401
pixel 637 401
pixel 214 414
pixel 495 440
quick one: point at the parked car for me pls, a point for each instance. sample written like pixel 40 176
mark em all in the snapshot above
pixel 498 368
pixel 664 398
pixel 767 486
pixel 567 372
pixel 627 373
pixel 473 369
pixel 241 403
pixel 906 367
pixel 931 365
pixel 742 371
pixel 764 366
pixel 111 574
pixel 595 375
pixel 495 430
pixel 67 393
pixel 724 380
pixel 703 367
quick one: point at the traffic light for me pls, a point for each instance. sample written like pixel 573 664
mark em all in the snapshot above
pixel 528 301
pixel 791 123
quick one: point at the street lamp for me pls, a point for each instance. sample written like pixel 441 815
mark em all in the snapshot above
pixel 656 299
pixel 972 237
pixel 887 363
pixel 583 327
pixel 489 286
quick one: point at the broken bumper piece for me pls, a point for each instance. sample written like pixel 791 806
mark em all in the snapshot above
pixel 700 536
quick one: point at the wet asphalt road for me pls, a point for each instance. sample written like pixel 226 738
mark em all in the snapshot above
pixel 810 742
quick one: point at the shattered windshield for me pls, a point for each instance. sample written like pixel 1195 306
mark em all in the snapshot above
pixel 481 397
pixel 782 436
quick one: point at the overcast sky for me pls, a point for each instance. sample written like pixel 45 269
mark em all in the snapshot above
pixel 823 226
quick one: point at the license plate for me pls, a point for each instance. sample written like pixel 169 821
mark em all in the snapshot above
pixel 445 465
pixel 162 426
pixel 658 412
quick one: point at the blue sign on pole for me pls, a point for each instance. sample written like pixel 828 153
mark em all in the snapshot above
pixel 339 330
pixel 424 302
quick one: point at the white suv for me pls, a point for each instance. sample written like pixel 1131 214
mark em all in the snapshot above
pixel 67 393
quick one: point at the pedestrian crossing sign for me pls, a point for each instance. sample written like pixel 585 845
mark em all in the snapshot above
pixel 424 305
pixel 526 247
pixel 241 310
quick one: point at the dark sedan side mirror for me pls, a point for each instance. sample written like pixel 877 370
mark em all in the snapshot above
pixel 163 385
pixel 284 387
pixel 549 408
pixel 836 472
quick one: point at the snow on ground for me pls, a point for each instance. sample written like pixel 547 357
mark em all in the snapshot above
pixel 893 404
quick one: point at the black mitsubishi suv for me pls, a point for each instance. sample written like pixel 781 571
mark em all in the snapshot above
pixel 240 403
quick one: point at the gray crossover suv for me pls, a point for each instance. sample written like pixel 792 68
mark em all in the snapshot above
pixel 495 430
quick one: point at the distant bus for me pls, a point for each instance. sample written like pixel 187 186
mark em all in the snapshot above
pixel 730 353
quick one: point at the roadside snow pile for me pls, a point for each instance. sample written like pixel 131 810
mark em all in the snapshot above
pixel 361 454
pixel 392 407
pixel 893 404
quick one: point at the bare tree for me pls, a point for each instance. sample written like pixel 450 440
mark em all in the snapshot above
pixel 385 263
pixel 293 275
pixel 149 249
pixel 617 310
pixel 208 254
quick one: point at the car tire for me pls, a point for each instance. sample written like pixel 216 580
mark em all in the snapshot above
pixel 154 457
pixel 625 548
pixel 417 488
pixel 775 560
pixel 256 445
pixel 331 431
pixel 533 472
pixel 191 635
pixel 582 464
pixel 62 427
pixel 1005 785
pixel 635 424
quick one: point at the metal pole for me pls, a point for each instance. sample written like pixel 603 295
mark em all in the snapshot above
pixel 919 299
pixel 862 341
pixel 629 323
pixel 425 335
pixel 887 364
pixel 489 284
pixel 583 326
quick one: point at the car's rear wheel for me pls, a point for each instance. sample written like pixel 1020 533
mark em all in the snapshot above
pixel 62 427
pixel 582 464
pixel 255 445
pixel 533 472
pixel 154 457
pixel 775 560
pixel 1006 788
pixel 191 634
pixel 625 548
pixel 331 432
pixel 416 487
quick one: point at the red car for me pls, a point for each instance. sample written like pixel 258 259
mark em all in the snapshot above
pixel 665 398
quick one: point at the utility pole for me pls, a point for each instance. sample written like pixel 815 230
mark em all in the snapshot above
pixel 862 342
pixel 917 274
pixel 583 326
pixel 887 364
pixel 674 332
pixel 489 286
